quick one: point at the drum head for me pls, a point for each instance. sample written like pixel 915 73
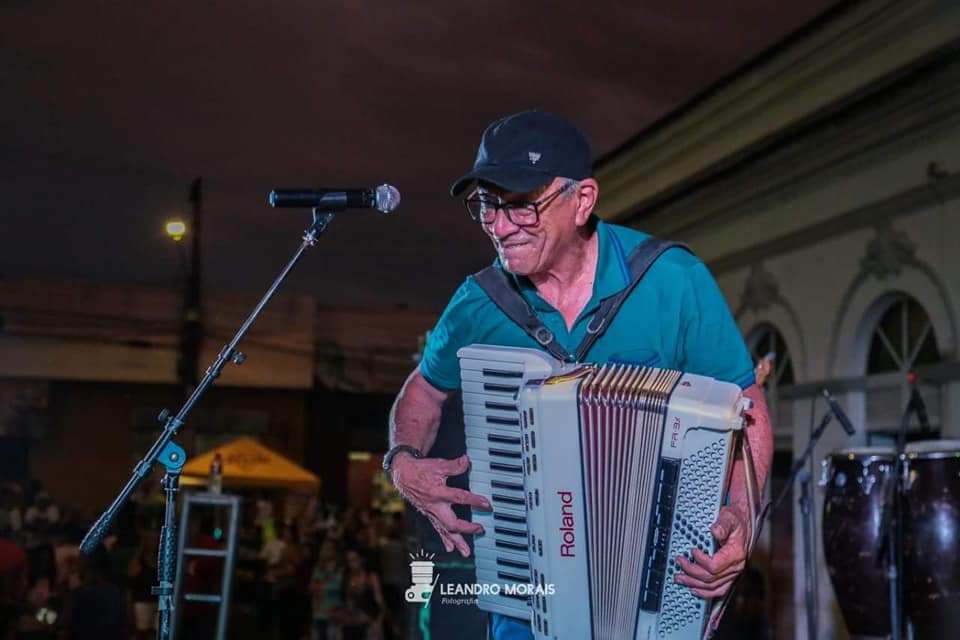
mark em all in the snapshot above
pixel 933 449
pixel 863 453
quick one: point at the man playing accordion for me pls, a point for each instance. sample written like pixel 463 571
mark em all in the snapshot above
pixel 532 192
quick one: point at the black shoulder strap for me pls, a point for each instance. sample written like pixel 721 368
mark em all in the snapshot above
pixel 639 261
pixel 498 285
pixel 501 289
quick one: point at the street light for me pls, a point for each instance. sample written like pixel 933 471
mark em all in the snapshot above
pixel 176 229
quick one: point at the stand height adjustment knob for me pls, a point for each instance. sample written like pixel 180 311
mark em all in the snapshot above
pixel 164 416
pixel 239 357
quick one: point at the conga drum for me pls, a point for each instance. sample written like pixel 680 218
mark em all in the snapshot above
pixel 855 482
pixel 931 538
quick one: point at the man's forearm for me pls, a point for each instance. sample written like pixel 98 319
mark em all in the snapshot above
pixel 759 433
pixel 415 416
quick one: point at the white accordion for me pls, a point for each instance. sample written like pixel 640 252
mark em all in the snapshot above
pixel 599 477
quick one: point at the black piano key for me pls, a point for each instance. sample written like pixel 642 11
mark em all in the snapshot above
pixel 504 517
pixel 516 577
pixel 499 497
pixel 501 388
pixel 501 373
pixel 515 564
pixel 513 546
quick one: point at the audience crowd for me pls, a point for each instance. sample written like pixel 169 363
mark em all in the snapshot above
pixel 335 575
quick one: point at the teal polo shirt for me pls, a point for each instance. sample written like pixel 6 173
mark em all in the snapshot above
pixel 676 318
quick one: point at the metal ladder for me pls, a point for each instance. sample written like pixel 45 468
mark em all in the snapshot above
pixel 184 554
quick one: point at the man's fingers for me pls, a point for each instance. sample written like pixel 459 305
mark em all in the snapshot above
pixel 695 574
pixel 461 545
pixel 450 539
pixel 446 518
pixel 454 467
pixel 462 526
pixel 709 594
pixel 703 586
pixel 441 531
pixel 729 555
pixel 726 561
pixel 727 522
pixel 460 496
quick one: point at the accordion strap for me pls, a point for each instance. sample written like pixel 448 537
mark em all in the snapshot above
pixel 501 288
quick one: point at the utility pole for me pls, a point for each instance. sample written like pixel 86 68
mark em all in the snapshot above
pixel 191 327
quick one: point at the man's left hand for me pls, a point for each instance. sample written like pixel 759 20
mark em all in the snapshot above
pixel 712 576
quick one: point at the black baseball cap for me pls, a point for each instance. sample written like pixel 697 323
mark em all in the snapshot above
pixel 527 150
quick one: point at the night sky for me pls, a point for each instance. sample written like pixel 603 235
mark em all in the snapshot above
pixel 109 109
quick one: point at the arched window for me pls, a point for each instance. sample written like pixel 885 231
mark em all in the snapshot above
pixel 762 340
pixel 903 340
pixel 765 339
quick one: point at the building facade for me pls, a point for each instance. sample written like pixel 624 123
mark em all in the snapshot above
pixel 821 184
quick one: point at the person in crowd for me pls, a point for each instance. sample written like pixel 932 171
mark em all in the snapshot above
pixel 98 609
pixel 394 573
pixel 11 513
pixel 142 578
pixel 326 589
pixel 13 580
pixel 362 611
pixel 202 574
pixel 43 514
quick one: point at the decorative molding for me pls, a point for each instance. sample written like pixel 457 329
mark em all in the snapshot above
pixel 910 201
pixel 760 292
pixel 888 252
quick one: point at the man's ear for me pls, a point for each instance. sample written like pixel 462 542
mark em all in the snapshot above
pixel 586 195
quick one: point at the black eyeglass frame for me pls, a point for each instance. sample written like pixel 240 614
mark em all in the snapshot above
pixel 501 205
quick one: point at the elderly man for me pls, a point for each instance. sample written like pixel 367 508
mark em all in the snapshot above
pixel 534 195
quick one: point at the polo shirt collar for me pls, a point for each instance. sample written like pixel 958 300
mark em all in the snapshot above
pixel 613 273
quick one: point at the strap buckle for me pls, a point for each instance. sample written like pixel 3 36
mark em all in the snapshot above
pixel 543 335
pixel 595 326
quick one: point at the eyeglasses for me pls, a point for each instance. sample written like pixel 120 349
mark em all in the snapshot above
pixel 483 208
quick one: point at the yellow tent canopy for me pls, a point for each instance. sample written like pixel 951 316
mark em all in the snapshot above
pixel 247 463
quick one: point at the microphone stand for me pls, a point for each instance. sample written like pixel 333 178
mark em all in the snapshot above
pixel 173 457
pixel 799 472
pixel 892 518
pixel 808 577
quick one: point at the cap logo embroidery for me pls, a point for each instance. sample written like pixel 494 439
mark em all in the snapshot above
pixel 534 157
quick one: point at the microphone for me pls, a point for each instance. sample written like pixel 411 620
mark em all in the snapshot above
pixel 384 198
pixel 838 412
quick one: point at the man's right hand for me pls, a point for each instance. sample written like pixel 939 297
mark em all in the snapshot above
pixel 423 482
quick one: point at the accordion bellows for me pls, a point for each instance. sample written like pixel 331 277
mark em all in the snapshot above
pixel 599 477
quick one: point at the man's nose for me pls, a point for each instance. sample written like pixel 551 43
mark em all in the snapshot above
pixel 502 224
